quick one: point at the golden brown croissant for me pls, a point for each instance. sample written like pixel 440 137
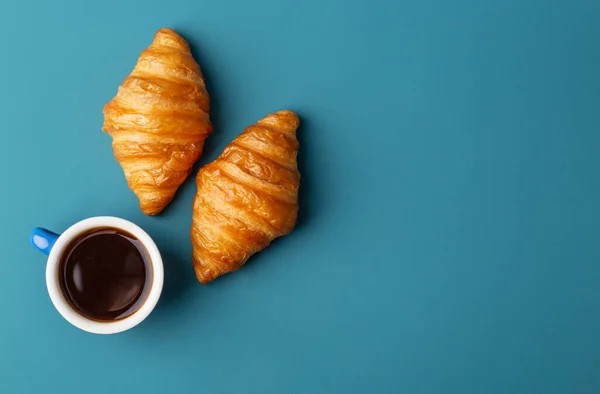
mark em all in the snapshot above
pixel 247 197
pixel 158 120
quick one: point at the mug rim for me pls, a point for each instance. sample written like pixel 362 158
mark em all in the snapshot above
pixel 58 298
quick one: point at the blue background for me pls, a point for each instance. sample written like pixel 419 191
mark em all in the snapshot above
pixel 449 225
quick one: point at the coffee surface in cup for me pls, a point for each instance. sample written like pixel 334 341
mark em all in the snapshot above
pixel 105 274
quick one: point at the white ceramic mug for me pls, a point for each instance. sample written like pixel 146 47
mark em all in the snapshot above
pixel 54 246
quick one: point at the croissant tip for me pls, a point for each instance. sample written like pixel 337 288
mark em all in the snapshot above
pixel 151 203
pixel 285 118
pixel 169 37
pixel 166 31
pixel 204 275
pixel 286 112
pixel 151 212
pixel 288 115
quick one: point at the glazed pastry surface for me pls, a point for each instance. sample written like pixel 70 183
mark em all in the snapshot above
pixel 159 120
pixel 247 197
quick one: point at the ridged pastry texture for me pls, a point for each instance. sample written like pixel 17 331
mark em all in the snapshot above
pixel 247 197
pixel 158 120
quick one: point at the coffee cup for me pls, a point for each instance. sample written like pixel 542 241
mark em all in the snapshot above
pixel 104 274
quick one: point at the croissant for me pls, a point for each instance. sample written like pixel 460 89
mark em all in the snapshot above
pixel 158 120
pixel 247 197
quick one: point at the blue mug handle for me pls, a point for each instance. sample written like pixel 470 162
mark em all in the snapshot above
pixel 42 239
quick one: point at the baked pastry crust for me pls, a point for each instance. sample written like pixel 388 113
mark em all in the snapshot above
pixel 247 197
pixel 159 120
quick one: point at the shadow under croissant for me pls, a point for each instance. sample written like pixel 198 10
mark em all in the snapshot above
pixel 215 141
pixel 307 189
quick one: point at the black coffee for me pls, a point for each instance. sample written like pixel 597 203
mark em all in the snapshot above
pixel 105 274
